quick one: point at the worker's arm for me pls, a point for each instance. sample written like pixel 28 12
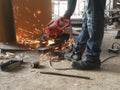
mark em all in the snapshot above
pixel 70 8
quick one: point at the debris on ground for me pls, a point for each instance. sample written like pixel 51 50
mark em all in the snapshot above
pixel 11 65
pixel 7 55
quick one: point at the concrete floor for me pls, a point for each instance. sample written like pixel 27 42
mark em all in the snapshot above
pixel 26 78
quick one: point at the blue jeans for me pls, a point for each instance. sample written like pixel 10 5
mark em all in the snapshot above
pixel 91 36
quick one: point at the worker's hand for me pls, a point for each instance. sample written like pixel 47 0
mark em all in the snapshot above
pixel 64 22
pixel 57 26
pixel 64 19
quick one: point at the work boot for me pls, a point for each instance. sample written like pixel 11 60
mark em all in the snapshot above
pixel 73 56
pixel 87 64
pixel 76 56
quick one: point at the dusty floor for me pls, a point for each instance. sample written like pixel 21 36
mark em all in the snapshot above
pixel 26 78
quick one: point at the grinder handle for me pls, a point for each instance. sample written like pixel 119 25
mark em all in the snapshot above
pixel 64 20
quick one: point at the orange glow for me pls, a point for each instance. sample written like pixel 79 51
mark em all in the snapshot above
pixel 52 41
pixel 39 12
pixel 27 39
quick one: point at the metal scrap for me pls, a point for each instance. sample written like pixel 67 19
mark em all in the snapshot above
pixel 7 55
pixel 11 65
pixel 67 75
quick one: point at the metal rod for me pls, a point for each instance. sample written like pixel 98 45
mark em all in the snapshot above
pixel 67 75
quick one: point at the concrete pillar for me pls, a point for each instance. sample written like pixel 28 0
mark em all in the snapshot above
pixel 7 30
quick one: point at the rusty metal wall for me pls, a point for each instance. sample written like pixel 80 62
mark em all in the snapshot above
pixel 31 16
pixel 7 30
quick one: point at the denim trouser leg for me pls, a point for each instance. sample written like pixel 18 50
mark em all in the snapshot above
pixel 92 29
pixel 83 36
pixel 95 24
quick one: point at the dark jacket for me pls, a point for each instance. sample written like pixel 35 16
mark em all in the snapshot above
pixel 70 8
